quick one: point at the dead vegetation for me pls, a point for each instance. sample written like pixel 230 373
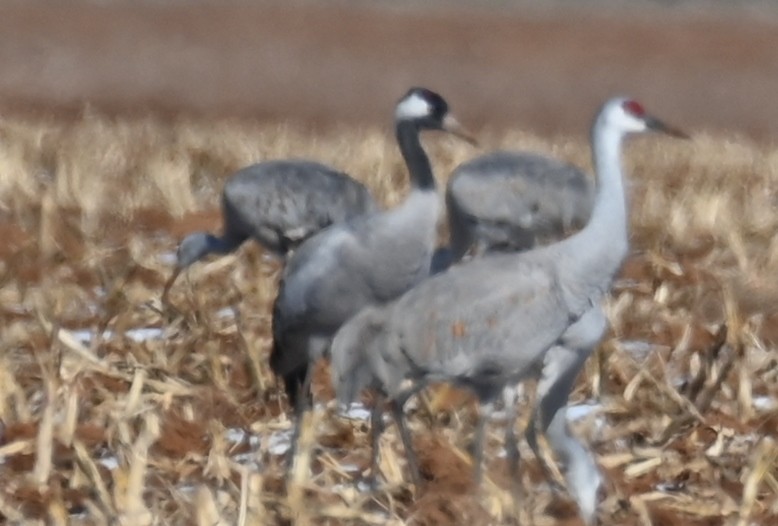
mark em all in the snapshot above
pixel 114 408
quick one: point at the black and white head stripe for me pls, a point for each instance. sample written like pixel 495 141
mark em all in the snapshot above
pixel 421 103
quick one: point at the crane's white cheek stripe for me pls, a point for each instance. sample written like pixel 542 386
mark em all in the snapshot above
pixel 412 107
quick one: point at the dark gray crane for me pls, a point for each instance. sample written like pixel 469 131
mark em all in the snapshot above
pixel 490 322
pixel 506 201
pixel 280 204
pixel 370 259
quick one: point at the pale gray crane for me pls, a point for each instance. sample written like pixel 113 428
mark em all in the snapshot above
pixel 371 259
pixel 507 201
pixel 490 322
pixel 561 366
pixel 279 203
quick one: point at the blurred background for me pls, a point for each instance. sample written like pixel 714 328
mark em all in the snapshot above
pixel 541 66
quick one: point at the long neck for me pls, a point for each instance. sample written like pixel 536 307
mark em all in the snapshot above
pixel 415 158
pixel 609 215
pixel 599 249
pixel 198 245
pixel 210 244
pixel 221 245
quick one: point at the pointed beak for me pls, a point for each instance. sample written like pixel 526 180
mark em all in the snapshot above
pixel 451 125
pixel 655 124
pixel 169 285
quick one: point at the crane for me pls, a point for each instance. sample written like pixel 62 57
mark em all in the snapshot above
pixel 507 201
pixel 370 259
pixel 279 203
pixel 491 322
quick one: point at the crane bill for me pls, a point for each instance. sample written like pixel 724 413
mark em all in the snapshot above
pixel 655 124
pixel 452 125
pixel 169 285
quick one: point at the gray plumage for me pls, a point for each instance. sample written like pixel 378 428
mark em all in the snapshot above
pixel 561 366
pixel 456 326
pixel 282 203
pixel 278 203
pixel 508 201
pixel 490 322
pixel 369 260
pixel 335 274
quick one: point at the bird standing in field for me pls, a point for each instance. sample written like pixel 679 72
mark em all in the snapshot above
pixel 371 259
pixel 490 322
pixel 508 201
pixel 279 204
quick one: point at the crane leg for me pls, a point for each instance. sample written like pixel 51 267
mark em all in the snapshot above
pixel 405 435
pixel 302 404
pixel 510 400
pixel 560 369
pixel 485 412
pixel 376 428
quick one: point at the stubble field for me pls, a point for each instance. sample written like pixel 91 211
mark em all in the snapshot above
pixel 113 406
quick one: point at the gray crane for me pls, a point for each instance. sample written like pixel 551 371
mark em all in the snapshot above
pixel 370 259
pixel 278 203
pixel 490 322
pixel 507 201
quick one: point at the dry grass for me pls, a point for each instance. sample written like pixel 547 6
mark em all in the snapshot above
pixel 143 430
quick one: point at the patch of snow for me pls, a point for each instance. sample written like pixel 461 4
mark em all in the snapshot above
pixel 578 411
pixel 110 462
pixel 137 335
pixel 142 334
pixel 236 435
pixel 355 411
pixel 187 489
pixel 349 468
pixel 280 442
pixel 82 335
pixel 167 258
pixel 361 486
pixel 225 312
pixel 765 403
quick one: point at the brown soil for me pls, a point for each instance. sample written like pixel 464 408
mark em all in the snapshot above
pixel 544 70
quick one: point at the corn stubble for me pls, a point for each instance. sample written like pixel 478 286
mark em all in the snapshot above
pixel 114 427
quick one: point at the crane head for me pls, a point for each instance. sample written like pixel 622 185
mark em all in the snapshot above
pixel 352 351
pixel 627 115
pixel 193 248
pixel 430 111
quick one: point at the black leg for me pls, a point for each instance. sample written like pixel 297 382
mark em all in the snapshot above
pixel 376 428
pixel 405 435
pixel 577 462
pixel 302 402
pixel 532 440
